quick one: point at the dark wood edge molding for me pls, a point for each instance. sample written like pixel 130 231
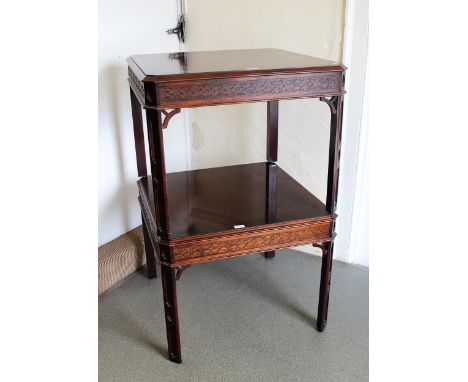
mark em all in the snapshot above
pixel 227 80
pixel 241 74
pixel 136 69
pixel 136 85
pixel 230 74
pixel 135 90
pixel 251 230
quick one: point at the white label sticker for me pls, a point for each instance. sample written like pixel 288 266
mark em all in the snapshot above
pixel 239 226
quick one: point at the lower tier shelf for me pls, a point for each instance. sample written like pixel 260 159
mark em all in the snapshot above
pixel 226 211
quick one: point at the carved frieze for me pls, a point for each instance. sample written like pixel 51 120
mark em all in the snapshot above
pixel 251 243
pixel 293 86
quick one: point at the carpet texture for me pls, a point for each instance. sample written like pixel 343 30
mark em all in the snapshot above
pixel 243 319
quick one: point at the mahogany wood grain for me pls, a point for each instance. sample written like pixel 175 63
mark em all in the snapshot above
pixel 272 131
pixel 325 282
pixel 208 203
pixel 205 215
pixel 222 246
pixel 168 67
pixel 171 313
pixel 195 79
pixel 138 134
pixel 272 156
pixel 158 171
pixel 214 200
pixel 209 92
pixel 334 151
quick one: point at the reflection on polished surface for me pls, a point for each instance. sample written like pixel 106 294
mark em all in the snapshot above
pixel 205 215
pixel 166 64
pixel 181 57
pixel 216 199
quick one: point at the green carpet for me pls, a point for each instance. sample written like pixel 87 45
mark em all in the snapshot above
pixel 243 319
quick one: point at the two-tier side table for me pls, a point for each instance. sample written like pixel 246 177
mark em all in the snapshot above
pixel 212 214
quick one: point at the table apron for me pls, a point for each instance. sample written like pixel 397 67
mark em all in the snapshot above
pixel 252 242
pixel 207 92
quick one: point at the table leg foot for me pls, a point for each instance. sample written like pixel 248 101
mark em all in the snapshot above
pixel 171 313
pixel 321 325
pixel 149 252
pixel 269 254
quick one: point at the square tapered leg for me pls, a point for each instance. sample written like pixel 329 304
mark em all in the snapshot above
pixel 171 313
pixel 325 280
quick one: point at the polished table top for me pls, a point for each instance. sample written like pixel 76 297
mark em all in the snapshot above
pixel 167 66
pixel 205 215
pixel 217 199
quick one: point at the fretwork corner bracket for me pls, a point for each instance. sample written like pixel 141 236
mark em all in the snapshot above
pixel 331 102
pixel 321 244
pixel 179 270
pixel 168 116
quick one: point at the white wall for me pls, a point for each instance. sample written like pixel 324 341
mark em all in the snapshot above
pixel 237 134
pixel 233 134
pixel 358 251
pixel 352 226
pixel 128 27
